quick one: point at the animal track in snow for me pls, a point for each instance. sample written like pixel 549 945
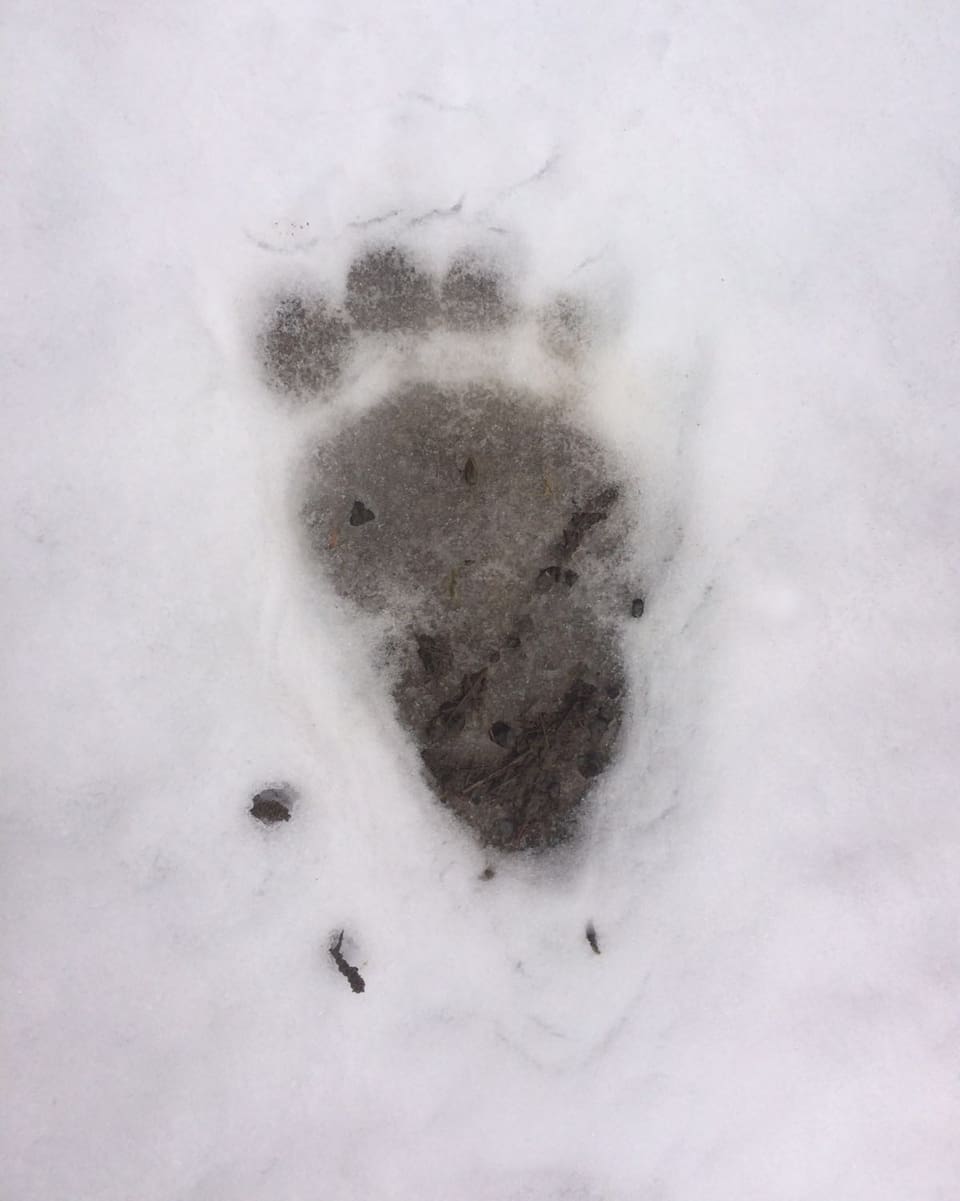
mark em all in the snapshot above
pixel 480 516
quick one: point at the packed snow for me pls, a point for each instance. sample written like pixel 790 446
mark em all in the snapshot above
pixel 764 201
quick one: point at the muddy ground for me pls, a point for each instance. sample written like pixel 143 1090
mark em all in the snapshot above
pixel 489 528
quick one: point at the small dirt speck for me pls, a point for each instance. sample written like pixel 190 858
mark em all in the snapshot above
pixel 502 734
pixel 592 939
pixel 637 607
pixel 272 805
pixel 505 829
pixel 350 973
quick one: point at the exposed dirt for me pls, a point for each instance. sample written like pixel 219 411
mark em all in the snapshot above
pixel 473 296
pixel 347 970
pixel 272 805
pixel 563 328
pixel 488 526
pixel 387 290
pixel 304 347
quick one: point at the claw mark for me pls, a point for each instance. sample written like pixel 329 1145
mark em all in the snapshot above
pixel 539 174
pixel 374 220
pixel 591 259
pixel 547 167
pixel 274 248
pixel 450 212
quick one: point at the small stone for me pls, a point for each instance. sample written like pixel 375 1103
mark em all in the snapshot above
pixel 470 472
pixel 360 514
pixel 592 939
pixel 502 733
pixel 270 806
pixel 636 609
pixel 487 874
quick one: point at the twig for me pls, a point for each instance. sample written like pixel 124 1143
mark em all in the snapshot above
pixel 499 771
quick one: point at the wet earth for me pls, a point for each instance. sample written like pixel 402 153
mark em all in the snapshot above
pixel 488 527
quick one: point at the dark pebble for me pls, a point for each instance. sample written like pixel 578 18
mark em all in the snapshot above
pixel 270 806
pixel 636 609
pixel 502 733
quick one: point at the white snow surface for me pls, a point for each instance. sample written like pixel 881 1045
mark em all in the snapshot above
pixel 765 199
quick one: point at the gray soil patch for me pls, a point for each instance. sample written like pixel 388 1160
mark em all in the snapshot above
pixel 473 296
pixel 272 805
pixel 387 291
pixel 305 346
pixel 347 970
pixel 489 528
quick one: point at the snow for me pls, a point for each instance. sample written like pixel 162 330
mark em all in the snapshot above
pixel 764 200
